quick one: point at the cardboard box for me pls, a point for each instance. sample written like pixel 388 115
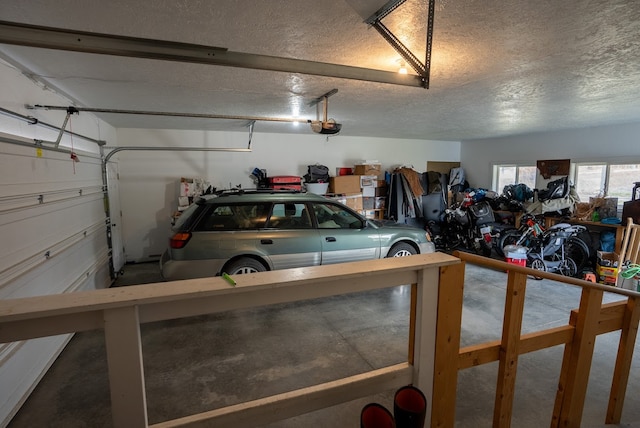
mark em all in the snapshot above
pixel 344 184
pixel 607 267
pixel 369 192
pixel 381 191
pixel 187 187
pixel 353 201
pixel 368 203
pixel 368 181
pixel 607 259
pixel 368 169
pixel 608 207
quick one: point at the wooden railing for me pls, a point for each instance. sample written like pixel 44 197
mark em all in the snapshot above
pixel 434 354
pixel 592 318
pixel 120 311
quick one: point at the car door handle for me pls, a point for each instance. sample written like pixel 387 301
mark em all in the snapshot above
pixel 266 241
pixel 330 239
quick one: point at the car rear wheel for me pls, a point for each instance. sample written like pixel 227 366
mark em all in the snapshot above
pixel 402 249
pixel 244 265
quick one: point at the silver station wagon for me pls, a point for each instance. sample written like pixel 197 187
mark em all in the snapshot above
pixel 254 231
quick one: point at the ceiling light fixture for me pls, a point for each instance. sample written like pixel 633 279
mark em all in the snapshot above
pixel 403 67
pixel 423 70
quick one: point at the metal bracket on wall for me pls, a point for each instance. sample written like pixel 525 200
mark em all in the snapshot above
pixel 375 21
pixel 70 111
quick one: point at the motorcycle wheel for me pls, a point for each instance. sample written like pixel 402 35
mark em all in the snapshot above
pixel 483 248
pixel 510 237
pixel 577 250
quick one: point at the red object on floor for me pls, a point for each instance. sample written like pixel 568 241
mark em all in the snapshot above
pixel 519 262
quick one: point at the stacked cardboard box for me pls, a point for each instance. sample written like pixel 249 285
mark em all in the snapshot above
pixel 369 168
pixel 363 193
pixel 607 267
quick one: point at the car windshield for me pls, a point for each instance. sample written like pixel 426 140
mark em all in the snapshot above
pixel 186 214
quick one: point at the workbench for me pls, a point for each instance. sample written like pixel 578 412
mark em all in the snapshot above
pixel 595 226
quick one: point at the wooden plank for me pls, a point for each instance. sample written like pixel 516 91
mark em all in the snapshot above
pixel 289 404
pixel 126 373
pixel 488 352
pixel 623 362
pixel 242 296
pixel 448 326
pixel 579 360
pixel 412 323
pixel 477 355
pixel 610 318
pixel 503 266
pixel 509 349
pixel 176 291
pixel 13 331
pixel 426 315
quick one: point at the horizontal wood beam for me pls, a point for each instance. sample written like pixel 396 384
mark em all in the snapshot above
pixel 293 403
pixel 488 352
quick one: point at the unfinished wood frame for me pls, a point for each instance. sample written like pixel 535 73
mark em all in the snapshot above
pixel 592 318
pixel 120 311
pixel 629 251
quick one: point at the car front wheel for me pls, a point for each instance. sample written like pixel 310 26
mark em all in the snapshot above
pixel 402 249
pixel 244 265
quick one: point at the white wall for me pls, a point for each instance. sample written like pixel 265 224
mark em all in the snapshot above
pixel 50 246
pixel 606 143
pixel 149 180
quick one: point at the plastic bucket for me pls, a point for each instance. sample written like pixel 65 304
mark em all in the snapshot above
pixel 317 188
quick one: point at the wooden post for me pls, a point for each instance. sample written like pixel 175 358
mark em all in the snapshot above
pixel 509 348
pixel 448 326
pixel 423 320
pixel 575 372
pixel 126 373
pixel 623 361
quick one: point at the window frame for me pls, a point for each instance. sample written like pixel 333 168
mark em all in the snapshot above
pixel 607 176
pixel 496 173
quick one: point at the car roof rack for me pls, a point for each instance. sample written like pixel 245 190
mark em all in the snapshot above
pixel 230 192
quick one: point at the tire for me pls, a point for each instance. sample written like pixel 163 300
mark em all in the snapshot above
pixel 538 264
pixel 577 250
pixel 510 237
pixel 244 265
pixel 402 249
pixel 568 267
pixel 483 248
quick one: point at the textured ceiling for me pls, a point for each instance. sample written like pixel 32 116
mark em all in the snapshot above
pixel 498 67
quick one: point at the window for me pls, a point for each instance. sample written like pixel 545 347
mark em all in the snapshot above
pixel 505 175
pixel 235 217
pixel 331 216
pixel 613 180
pixel 590 180
pixel 290 216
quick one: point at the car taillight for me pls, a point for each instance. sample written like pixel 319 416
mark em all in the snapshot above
pixel 179 240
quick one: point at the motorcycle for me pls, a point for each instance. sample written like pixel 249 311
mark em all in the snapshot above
pixel 465 226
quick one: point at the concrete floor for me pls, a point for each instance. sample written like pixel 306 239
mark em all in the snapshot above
pixel 205 362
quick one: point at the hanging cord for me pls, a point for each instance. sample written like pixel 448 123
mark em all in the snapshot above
pixel 74 157
pixel 631 271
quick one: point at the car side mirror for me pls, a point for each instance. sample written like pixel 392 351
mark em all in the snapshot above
pixel 358 224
